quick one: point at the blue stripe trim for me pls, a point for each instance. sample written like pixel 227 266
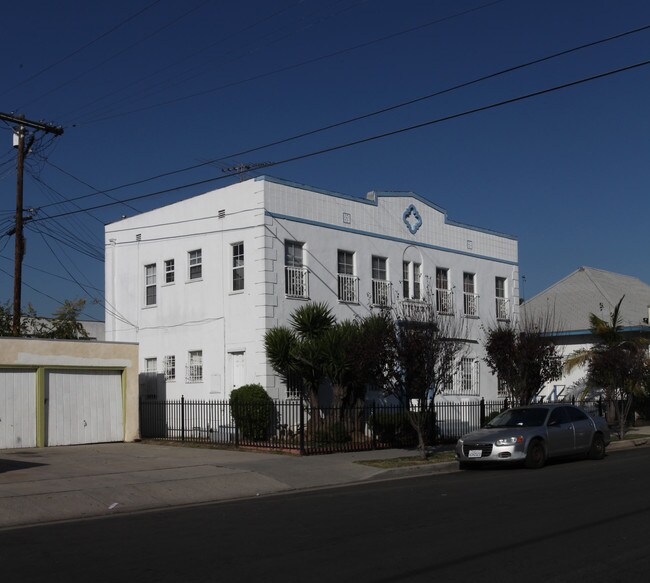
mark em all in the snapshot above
pixel 388 194
pixel 385 237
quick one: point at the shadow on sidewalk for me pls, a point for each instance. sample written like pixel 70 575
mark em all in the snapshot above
pixel 11 465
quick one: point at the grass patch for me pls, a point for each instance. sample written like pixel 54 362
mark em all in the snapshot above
pixel 631 436
pixel 409 461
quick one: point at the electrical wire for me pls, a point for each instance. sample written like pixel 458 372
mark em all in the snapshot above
pixel 375 137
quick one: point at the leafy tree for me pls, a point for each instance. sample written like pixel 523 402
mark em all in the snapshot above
pixel 64 324
pixel 297 352
pixel 523 356
pixel 617 363
pixel 421 352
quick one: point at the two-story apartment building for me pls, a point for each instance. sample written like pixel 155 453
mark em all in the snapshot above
pixel 199 282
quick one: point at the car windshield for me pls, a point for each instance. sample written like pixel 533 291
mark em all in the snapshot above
pixel 525 417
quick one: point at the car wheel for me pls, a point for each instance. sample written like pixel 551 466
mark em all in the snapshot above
pixel 597 450
pixel 536 455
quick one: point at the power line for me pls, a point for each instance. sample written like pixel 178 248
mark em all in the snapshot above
pixel 373 113
pixel 378 136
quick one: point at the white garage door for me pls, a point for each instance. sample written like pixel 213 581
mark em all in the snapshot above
pixel 83 407
pixel 17 408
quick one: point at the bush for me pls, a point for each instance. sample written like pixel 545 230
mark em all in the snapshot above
pixel 393 427
pixel 332 433
pixel 252 409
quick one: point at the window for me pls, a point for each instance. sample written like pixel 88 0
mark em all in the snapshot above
pixel 151 365
pixel 196 264
pixel 169 271
pixel 470 298
pixel 150 284
pixel 443 293
pixel 294 386
pixel 468 376
pixel 502 388
pixel 380 284
pixel 194 372
pixel 500 298
pixel 169 368
pixel 411 280
pixel 348 283
pixel 295 273
pixel 238 267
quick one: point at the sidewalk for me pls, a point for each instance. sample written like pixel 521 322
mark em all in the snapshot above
pixel 63 483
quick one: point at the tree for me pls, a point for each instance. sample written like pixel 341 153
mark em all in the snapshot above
pixel 523 356
pixel 64 324
pixel 617 363
pixel 421 352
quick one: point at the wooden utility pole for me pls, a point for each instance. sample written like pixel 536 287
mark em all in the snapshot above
pixel 23 145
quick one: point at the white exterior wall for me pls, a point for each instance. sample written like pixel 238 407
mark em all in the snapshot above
pixel 263 213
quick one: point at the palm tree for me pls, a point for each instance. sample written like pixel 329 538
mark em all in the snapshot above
pixel 616 363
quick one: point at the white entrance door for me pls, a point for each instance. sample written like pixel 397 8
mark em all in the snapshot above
pixel 238 363
pixel 17 408
pixel 83 407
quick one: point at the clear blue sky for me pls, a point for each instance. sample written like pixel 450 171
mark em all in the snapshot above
pixel 143 88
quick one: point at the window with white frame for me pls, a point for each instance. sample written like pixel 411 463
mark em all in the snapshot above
pixel 411 280
pixel 500 298
pixel 443 293
pixel 470 297
pixel 169 271
pixel 150 365
pixel 295 272
pixel 380 284
pixel 195 262
pixel 169 367
pixel 502 388
pixel 238 266
pixel 150 284
pixel 468 376
pixel 348 283
pixel 194 372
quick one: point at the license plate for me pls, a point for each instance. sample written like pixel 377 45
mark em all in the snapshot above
pixel 474 453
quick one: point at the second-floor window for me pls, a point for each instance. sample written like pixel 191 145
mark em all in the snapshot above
pixel 348 287
pixel 443 293
pixel 151 365
pixel 380 284
pixel 238 266
pixel 150 284
pixel 412 280
pixel 195 260
pixel 500 296
pixel 169 271
pixel 470 297
pixel 296 283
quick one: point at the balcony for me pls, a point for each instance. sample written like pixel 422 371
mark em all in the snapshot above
pixel 503 309
pixel 416 310
pixel 444 301
pixel 296 282
pixel 381 295
pixel 470 304
pixel 348 289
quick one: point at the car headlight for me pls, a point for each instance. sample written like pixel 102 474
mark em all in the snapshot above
pixel 509 440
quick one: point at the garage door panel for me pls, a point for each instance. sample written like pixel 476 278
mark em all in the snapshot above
pixel 17 408
pixel 84 407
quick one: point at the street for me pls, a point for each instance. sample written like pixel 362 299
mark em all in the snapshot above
pixel 571 521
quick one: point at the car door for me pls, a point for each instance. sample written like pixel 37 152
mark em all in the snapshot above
pixel 583 429
pixel 560 432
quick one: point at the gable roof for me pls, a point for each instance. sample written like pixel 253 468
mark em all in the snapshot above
pixel 592 291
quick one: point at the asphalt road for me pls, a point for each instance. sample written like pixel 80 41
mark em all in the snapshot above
pixel 578 521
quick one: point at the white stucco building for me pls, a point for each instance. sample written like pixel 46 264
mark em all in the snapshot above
pixel 197 283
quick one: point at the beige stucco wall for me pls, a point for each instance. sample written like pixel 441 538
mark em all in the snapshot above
pixel 53 354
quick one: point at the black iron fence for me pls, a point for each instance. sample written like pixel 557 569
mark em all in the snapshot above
pixel 292 426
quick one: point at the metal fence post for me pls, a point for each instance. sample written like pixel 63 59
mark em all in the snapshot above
pixel 373 434
pixel 482 411
pixel 182 417
pixel 302 426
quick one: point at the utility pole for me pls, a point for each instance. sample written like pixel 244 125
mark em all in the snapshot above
pixel 23 147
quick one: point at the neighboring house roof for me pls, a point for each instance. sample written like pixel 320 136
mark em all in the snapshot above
pixel 587 291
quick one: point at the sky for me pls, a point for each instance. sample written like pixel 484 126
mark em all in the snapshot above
pixel 163 95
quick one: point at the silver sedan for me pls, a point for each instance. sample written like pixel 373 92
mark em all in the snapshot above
pixel 534 434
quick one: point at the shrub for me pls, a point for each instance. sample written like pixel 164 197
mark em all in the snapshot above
pixel 393 427
pixel 332 433
pixel 252 409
